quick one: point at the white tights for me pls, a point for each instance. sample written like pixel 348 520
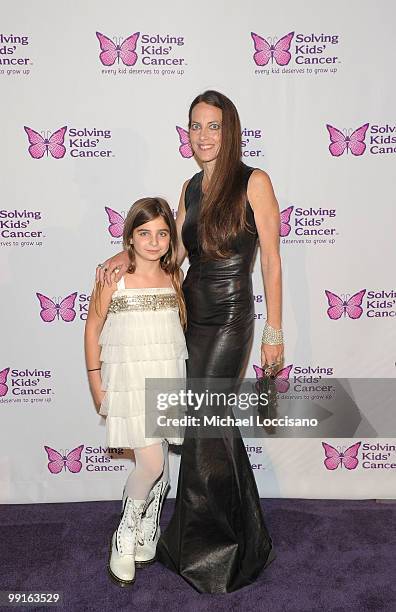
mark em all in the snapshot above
pixel 151 464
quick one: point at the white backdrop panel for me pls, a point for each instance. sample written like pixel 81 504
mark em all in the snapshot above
pixel 121 143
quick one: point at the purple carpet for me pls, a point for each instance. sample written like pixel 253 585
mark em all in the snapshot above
pixel 333 556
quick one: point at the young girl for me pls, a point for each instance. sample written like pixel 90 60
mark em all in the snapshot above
pixel 138 323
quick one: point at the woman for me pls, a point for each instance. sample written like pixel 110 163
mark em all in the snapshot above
pixel 217 539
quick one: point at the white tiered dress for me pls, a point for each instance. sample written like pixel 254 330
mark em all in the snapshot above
pixel 142 338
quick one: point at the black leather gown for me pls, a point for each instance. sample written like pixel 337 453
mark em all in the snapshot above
pixel 217 539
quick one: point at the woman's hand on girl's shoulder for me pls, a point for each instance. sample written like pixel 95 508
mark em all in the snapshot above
pixel 113 268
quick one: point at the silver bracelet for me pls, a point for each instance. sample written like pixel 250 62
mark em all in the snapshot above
pixel 271 336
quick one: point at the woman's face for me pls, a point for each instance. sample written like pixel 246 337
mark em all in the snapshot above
pixel 205 131
pixel 151 240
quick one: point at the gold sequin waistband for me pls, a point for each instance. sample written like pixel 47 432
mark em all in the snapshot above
pixel 124 303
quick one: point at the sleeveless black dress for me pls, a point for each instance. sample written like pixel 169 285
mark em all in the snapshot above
pixel 217 539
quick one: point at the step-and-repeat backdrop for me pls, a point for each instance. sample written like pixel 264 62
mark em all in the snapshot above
pixel 94 111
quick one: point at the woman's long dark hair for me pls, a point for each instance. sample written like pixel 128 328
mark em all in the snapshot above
pixel 223 207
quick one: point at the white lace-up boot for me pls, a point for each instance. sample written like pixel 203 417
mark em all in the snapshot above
pixel 150 525
pixel 124 541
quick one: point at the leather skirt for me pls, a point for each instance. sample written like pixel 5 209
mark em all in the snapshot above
pixel 217 539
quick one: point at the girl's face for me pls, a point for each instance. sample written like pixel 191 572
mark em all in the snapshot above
pixel 151 240
pixel 205 131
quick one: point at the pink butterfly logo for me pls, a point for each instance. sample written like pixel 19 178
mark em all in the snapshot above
pixel 185 149
pixel 124 51
pixel 61 309
pixel 285 218
pixel 51 144
pixel 281 378
pixel 70 461
pixel 347 458
pixel 116 221
pixel 341 141
pixel 266 51
pixel 351 306
pixel 3 381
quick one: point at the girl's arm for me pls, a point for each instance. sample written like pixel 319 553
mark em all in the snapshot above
pixel 93 326
pixel 266 215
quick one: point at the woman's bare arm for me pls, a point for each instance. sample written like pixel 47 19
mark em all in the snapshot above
pixel 181 215
pixel 266 215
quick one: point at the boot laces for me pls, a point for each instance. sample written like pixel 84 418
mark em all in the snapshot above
pixel 133 524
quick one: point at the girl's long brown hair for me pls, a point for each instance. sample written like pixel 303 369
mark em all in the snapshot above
pixel 142 211
pixel 223 207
